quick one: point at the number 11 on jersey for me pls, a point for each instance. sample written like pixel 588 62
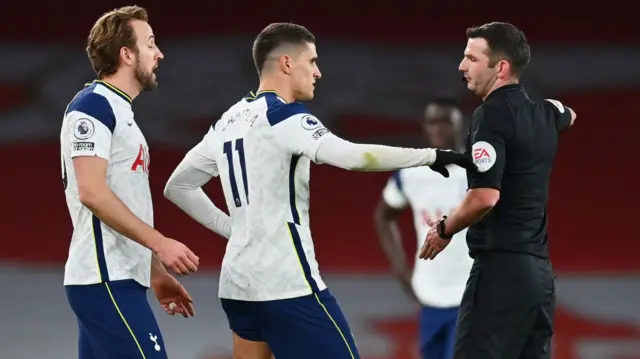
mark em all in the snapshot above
pixel 228 150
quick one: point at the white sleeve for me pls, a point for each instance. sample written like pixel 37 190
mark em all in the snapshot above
pixel 298 131
pixel 393 194
pixel 184 189
pixel 365 157
pixel 91 124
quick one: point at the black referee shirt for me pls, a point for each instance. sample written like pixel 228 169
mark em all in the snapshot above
pixel 513 140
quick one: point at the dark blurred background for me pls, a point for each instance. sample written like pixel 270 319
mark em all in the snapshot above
pixel 381 63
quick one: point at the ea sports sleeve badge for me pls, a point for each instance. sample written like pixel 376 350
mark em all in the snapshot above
pixel 484 155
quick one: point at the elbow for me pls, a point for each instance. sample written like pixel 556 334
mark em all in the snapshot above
pixel 173 191
pixel 489 199
pixel 169 191
pixel 485 198
pixel 89 196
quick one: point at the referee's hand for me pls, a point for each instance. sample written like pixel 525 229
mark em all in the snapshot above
pixel 444 158
pixel 433 244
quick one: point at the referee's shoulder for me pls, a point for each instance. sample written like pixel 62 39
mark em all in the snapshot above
pixel 492 107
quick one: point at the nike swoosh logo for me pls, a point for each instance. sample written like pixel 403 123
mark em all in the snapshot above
pixel 129 123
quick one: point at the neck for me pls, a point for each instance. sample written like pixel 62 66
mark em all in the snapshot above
pixel 500 83
pixel 127 84
pixel 277 84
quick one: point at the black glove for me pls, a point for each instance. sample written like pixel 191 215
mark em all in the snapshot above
pixel 444 158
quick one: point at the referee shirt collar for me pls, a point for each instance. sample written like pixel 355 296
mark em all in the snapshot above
pixel 503 89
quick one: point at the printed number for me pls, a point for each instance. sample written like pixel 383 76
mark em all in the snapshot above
pixel 228 150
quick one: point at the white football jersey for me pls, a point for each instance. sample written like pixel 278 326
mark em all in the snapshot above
pixel 262 149
pixel 439 282
pixel 99 122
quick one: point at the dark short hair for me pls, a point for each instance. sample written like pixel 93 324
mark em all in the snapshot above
pixel 445 100
pixel 506 42
pixel 276 35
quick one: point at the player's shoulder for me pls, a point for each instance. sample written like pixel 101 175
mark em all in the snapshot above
pixel 279 111
pixel 92 104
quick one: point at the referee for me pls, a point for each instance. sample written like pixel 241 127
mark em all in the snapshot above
pixel 508 305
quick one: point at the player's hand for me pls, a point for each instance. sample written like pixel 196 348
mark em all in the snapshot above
pixel 177 256
pixel 172 296
pixel 444 158
pixel 433 244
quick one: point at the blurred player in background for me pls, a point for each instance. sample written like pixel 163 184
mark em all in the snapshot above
pixel 436 285
pixel 262 149
pixel 115 253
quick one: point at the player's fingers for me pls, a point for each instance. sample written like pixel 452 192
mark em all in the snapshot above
pixel 443 171
pixel 467 163
pixel 429 252
pixel 185 311
pixel 179 268
pixel 189 308
pixel 423 250
pixel 167 309
pixel 191 267
pixel 193 258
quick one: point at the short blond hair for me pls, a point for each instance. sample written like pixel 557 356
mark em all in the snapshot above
pixel 109 34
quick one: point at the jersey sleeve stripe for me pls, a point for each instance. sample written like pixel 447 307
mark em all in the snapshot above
pixel 96 106
pixel 98 241
pixel 281 111
pixel 304 264
pixel 292 189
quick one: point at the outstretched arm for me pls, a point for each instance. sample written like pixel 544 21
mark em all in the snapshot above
pixel 301 133
pixel 351 156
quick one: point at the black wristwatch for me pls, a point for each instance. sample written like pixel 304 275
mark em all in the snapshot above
pixel 442 230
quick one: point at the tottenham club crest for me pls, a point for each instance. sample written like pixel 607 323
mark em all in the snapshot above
pixel 83 129
pixel 309 122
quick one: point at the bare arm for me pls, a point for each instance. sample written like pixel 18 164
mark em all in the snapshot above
pixel 96 195
pixel 389 236
pixel 157 269
pixel 475 205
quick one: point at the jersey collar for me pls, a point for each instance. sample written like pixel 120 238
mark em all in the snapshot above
pixel 503 89
pixel 113 89
pixel 252 96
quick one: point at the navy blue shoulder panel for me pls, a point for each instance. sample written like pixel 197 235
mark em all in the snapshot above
pixel 279 111
pixel 94 105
